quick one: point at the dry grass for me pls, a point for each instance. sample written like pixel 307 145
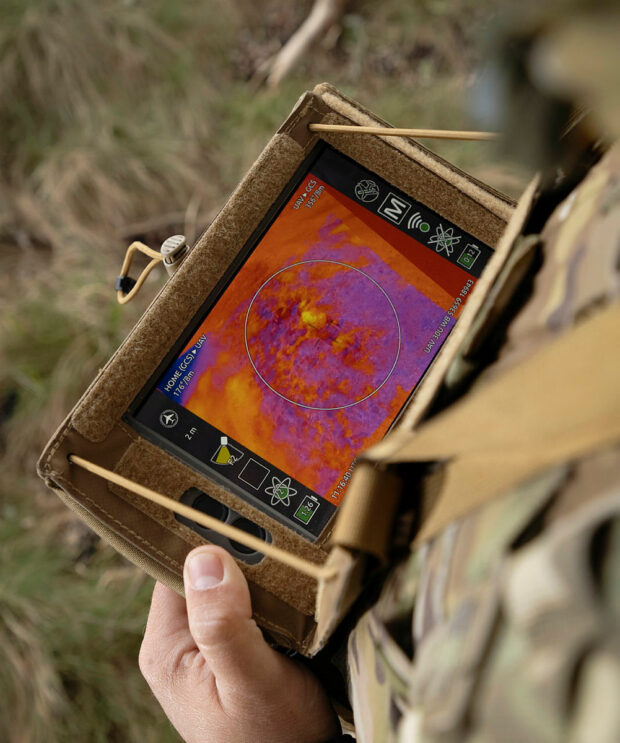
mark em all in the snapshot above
pixel 99 133
pixel 68 640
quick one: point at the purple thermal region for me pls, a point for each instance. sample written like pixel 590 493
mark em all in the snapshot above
pixel 322 334
pixel 314 347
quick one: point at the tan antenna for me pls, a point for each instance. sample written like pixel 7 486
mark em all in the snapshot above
pixel 384 131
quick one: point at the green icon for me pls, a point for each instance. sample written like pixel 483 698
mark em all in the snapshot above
pixel 444 240
pixel 280 491
pixel 417 223
pixel 469 256
pixel 307 509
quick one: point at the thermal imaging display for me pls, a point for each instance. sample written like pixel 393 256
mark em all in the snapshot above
pixel 311 350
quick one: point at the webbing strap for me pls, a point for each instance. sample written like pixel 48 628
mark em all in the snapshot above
pixel 319 572
pixel 561 403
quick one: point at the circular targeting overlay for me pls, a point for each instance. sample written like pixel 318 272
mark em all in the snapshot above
pixel 322 334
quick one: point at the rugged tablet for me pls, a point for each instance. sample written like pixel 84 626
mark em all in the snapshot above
pixel 310 345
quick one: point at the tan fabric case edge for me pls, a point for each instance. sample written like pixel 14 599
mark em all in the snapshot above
pixel 87 414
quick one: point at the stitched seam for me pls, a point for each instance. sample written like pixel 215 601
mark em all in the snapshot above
pixel 61 437
pixel 271 625
pixel 299 115
pixel 126 530
pixel 122 526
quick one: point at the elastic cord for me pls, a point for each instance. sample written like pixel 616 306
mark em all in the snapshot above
pixel 318 572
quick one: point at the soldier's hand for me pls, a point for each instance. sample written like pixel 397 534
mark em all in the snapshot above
pixel 213 673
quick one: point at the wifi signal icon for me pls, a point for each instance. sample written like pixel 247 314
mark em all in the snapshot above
pixel 417 223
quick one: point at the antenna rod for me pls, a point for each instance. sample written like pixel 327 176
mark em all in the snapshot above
pixel 384 131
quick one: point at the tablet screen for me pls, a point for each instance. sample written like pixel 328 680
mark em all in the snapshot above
pixel 306 355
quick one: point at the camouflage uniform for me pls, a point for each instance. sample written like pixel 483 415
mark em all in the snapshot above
pixel 506 625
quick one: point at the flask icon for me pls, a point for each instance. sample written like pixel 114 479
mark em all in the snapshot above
pixel 226 453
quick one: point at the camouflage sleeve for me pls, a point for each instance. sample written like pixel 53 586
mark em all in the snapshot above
pixel 505 627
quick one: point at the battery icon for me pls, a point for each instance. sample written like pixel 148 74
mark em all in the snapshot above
pixel 307 509
pixel 469 256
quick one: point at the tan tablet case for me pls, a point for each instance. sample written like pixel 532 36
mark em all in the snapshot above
pixel 284 600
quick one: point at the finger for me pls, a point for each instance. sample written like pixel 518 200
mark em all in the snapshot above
pixel 220 620
pixel 166 606
pixel 167 639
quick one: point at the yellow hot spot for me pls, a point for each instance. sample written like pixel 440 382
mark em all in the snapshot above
pixel 315 318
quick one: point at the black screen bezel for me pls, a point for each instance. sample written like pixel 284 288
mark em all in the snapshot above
pixel 211 300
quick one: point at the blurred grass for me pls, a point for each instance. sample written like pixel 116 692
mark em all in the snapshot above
pixel 133 119
pixel 69 640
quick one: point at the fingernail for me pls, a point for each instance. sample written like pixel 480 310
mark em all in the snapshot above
pixel 205 570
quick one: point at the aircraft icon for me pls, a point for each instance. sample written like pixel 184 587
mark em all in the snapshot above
pixel 169 418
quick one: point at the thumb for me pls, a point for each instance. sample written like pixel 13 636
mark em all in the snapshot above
pixel 219 611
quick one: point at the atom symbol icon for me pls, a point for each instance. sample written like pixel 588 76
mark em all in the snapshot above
pixel 444 240
pixel 280 491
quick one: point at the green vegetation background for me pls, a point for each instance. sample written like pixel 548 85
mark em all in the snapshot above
pixel 134 119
